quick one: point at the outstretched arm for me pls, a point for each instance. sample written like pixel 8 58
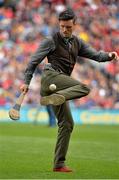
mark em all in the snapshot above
pixel 100 56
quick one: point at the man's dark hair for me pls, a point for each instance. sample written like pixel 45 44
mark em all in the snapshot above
pixel 68 14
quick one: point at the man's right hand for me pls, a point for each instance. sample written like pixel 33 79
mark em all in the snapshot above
pixel 24 88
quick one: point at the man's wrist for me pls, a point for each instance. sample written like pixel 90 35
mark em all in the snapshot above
pixel 111 55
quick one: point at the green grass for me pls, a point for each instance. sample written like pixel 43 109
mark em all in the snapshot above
pixel 26 152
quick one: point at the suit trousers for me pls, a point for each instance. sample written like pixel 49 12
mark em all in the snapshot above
pixel 70 89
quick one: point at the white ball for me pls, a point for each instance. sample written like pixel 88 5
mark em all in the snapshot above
pixel 52 87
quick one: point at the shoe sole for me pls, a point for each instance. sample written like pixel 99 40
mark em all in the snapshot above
pixel 53 99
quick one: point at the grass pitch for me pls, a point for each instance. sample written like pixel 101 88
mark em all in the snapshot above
pixel 26 152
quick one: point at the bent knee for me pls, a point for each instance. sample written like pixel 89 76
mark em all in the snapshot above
pixel 86 89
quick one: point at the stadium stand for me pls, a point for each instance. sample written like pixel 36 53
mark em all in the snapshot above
pixel 24 23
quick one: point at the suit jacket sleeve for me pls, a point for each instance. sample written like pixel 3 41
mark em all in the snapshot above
pixel 88 52
pixel 46 46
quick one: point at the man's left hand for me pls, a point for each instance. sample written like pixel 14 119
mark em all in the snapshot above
pixel 113 56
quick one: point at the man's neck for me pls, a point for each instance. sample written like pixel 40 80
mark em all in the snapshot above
pixel 65 37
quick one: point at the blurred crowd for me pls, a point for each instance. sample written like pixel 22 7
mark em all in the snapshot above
pixel 24 23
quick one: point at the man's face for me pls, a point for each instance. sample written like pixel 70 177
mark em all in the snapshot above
pixel 66 27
